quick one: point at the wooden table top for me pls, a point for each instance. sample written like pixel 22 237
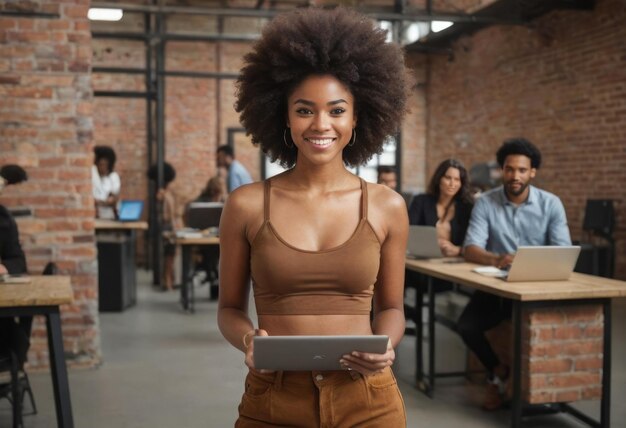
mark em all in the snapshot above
pixel 579 286
pixel 49 290
pixel 120 225
pixel 203 240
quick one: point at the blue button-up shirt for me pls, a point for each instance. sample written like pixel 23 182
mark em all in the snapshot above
pixel 499 226
pixel 237 176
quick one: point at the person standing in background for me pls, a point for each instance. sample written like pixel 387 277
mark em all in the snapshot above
pixel 106 183
pixel 171 220
pixel 238 175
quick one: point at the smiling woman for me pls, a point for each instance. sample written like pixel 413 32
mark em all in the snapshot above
pixel 320 91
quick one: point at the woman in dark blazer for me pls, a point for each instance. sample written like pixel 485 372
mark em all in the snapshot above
pixel 447 205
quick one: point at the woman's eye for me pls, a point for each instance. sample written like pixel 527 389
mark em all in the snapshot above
pixel 304 111
pixel 337 111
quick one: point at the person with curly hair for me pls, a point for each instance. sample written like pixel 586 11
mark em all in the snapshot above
pixel 504 218
pixel 106 182
pixel 171 220
pixel 320 91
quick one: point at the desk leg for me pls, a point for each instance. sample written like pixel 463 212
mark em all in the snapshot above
pixel 419 337
pixel 516 405
pixel 431 338
pixel 605 403
pixel 186 273
pixel 59 371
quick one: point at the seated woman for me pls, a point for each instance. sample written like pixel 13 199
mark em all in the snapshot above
pixel 447 205
pixel 208 256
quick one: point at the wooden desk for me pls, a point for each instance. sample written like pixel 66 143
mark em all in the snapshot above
pixel 117 283
pixel 579 289
pixel 187 292
pixel 43 296
pixel 120 225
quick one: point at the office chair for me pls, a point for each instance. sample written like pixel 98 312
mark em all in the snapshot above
pixel 12 360
pixel 599 222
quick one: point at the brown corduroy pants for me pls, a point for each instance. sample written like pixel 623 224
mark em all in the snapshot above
pixel 324 399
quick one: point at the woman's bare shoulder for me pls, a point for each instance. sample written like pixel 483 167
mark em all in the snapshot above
pixel 386 199
pixel 387 210
pixel 246 199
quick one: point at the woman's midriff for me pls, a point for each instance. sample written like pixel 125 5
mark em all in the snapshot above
pixel 315 325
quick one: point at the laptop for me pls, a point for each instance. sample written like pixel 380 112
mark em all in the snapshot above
pixel 311 352
pixel 130 210
pixel 537 263
pixel 423 243
pixel 204 215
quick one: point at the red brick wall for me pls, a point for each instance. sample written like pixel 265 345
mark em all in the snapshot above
pixel 46 126
pixel 561 353
pixel 559 84
pixel 192 132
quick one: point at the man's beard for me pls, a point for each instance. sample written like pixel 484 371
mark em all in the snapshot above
pixel 511 190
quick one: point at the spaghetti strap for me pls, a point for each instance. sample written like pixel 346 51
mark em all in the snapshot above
pixel 266 201
pixel 363 199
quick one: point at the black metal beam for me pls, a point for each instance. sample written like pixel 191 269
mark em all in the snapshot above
pixel 22 14
pixel 125 35
pixel 172 73
pixel 123 94
pixel 408 15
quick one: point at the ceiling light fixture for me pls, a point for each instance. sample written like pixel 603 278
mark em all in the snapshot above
pixel 437 26
pixel 96 14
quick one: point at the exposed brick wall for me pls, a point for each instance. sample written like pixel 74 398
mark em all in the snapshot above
pixel 46 126
pixel 560 84
pixel 192 110
pixel 562 353
pixel 414 131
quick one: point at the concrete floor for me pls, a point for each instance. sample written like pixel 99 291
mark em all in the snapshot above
pixel 164 369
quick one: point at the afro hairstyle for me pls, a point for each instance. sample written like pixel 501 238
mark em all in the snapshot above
pixel 339 42
pixel 519 146
pixel 105 152
pixel 169 173
pixel 13 174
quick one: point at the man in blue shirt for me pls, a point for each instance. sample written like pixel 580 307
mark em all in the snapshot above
pixel 238 175
pixel 504 218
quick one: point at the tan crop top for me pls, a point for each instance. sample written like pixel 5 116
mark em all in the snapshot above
pixel 290 281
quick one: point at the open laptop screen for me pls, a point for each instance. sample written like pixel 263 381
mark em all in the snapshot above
pixel 130 210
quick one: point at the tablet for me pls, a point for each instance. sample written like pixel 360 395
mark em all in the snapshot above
pixel 311 352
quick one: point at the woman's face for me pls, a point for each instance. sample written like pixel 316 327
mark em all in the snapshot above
pixel 320 117
pixel 450 183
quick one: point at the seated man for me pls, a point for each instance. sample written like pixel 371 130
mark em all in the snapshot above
pixel 504 218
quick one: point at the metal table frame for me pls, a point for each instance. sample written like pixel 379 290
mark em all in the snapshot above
pixel 58 368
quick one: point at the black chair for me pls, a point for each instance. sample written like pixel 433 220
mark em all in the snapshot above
pixel 13 355
pixel 598 225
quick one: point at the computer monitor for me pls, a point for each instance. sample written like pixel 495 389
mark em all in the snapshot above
pixel 203 215
pixel 130 210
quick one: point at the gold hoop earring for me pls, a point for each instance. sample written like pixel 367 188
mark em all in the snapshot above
pixel 353 139
pixel 285 139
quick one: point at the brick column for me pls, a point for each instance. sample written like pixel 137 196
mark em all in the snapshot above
pixel 46 127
